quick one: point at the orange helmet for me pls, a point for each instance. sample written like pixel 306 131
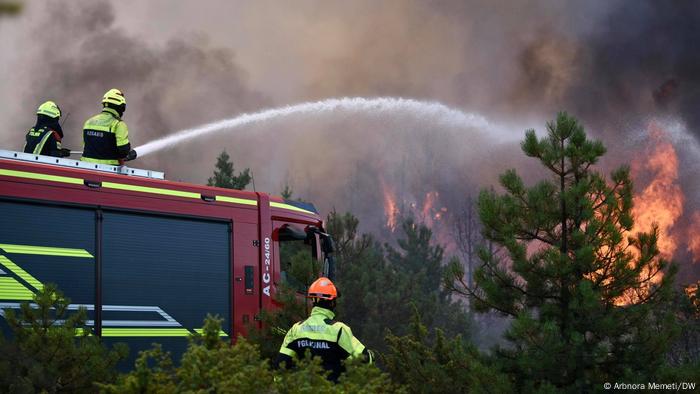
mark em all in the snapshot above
pixel 323 288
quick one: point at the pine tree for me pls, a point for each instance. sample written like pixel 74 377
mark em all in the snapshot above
pixel 10 8
pixel 52 349
pixel 419 262
pixel 380 285
pixel 686 349
pixel 369 288
pixel 583 289
pixel 224 174
pixel 437 364
pixel 287 192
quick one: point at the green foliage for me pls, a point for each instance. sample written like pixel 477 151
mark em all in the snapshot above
pixel 209 365
pixel 10 8
pixel 568 269
pixel 53 350
pixel 351 247
pixel 440 365
pixel 213 365
pixel 366 378
pixel 287 192
pixel 276 323
pixel 309 377
pixel 686 372
pixel 369 289
pixel 419 263
pixel 378 284
pixel 685 350
pixel 683 360
pixel 224 174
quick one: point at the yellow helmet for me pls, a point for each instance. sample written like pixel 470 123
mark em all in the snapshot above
pixel 114 96
pixel 49 109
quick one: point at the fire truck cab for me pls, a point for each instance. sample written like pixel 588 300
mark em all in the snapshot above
pixel 148 258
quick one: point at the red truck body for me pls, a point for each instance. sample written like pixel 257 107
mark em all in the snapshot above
pixel 219 247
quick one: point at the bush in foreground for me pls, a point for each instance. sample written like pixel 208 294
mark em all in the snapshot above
pixel 52 350
pixel 213 365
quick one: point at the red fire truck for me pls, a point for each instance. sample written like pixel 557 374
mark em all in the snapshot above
pixel 148 258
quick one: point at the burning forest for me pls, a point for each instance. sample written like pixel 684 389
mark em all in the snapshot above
pixel 420 136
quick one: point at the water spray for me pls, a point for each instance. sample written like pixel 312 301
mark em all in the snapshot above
pixel 433 111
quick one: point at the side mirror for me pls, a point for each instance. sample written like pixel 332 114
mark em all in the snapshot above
pixel 327 247
pixel 327 244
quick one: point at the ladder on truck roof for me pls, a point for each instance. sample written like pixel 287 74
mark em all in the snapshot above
pixel 70 163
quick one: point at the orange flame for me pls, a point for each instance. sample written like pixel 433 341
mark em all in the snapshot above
pixel 692 291
pixel 694 237
pixel 432 217
pixel 428 204
pixel 426 212
pixel 661 201
pixel 390 209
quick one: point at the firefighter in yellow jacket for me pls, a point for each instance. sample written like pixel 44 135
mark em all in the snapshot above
pixel 322 336
pixel 105 135
pixel 46 135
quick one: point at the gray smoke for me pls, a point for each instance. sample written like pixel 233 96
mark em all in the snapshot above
pixel 643 59
pixel 75 52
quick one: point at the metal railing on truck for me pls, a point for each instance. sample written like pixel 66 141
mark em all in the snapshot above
pixel 70 163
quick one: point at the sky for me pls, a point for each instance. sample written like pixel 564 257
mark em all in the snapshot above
pixel 618 66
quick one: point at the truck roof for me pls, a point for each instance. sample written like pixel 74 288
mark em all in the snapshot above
pixel 55 170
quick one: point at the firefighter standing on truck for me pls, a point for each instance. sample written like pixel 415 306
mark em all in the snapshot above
pixel 331 340
pixel 105 136
pixel 46 135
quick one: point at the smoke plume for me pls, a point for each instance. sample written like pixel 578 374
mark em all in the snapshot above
pixel 75 53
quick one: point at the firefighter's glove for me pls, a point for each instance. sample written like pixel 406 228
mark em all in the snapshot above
pixel 65 152
pixel 130 156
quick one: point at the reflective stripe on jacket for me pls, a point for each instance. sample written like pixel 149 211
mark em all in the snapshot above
pixel 105 138
pixel 324 337
pixel 43 141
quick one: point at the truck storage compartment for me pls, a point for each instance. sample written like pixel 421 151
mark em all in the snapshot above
pixel 161 276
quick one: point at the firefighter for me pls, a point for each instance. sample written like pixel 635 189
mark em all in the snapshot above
pixel 331 340
pixel 105 135
pixel 46 135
